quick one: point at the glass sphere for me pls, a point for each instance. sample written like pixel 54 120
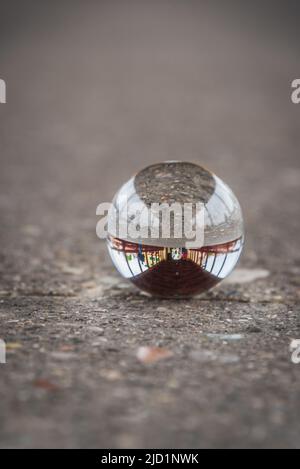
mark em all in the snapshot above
pixel 175 230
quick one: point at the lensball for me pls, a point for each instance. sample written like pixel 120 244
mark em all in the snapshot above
pixel 175 230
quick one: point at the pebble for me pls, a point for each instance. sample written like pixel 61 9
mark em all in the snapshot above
pixel 246 275
pixel 162 309
pixel 148 354
pixel 229 337
pixel 204 356
pixel 63 355
pixel 96 329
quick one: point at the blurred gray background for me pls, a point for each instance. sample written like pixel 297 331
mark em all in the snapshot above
pixel 96 90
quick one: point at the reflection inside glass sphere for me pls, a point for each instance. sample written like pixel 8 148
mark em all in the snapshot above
pixel 174 272
pixel 171 267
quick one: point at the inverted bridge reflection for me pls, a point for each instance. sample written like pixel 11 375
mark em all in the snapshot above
pixel 174 271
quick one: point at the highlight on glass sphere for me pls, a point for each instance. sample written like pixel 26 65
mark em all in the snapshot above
pixel 180 230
